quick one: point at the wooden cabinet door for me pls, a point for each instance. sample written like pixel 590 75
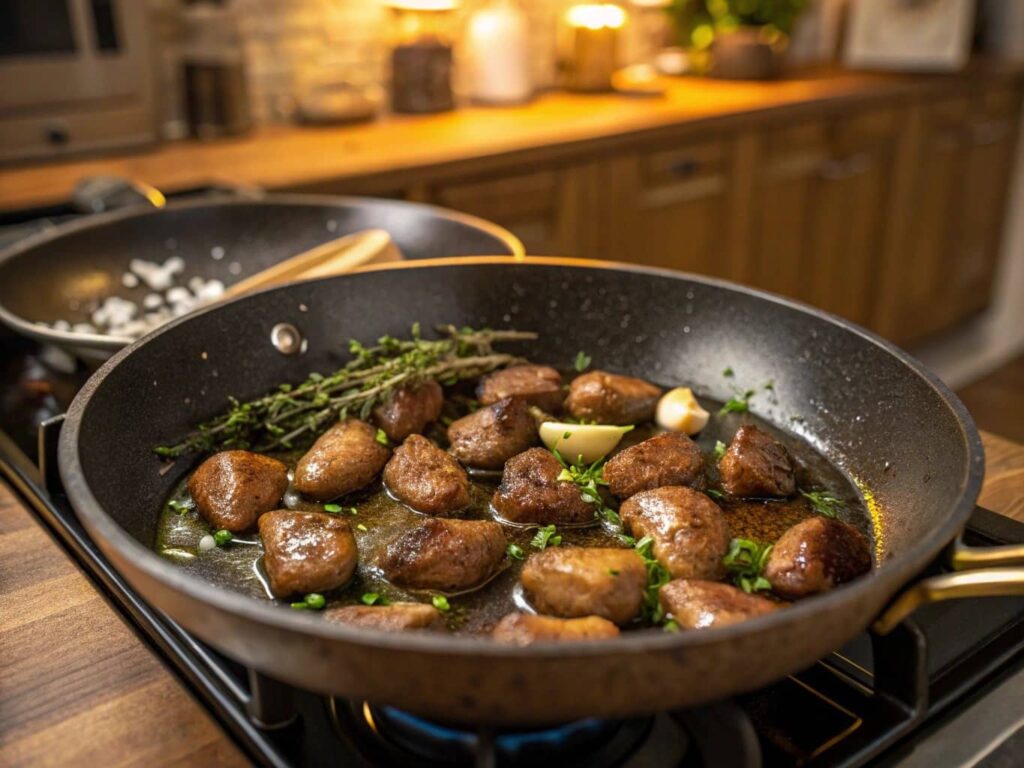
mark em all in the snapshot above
pixel 819 209
pixel 670 206
pixel 549 209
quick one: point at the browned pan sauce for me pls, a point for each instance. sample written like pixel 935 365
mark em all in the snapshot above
pixel 237 566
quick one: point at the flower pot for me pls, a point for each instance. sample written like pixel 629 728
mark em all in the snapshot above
pixel 744 54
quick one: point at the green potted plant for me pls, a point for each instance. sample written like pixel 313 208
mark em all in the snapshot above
pixel 736 39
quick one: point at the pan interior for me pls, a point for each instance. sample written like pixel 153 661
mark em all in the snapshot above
pixel 887 426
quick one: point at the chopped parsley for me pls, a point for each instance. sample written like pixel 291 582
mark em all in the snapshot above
pixel 441 603
pixel 589 479
pixel 719 451
pixel 745 563
pixel 515 551
pixel 823 502
pixel 728 372
pixel 582 361
pixel 382 438
pixel 738 403
pixel 311 602
pixel 714 493
pixel 657 577
pixel 373 598
pixel 178 507
pixel 222 537
pixel 545 537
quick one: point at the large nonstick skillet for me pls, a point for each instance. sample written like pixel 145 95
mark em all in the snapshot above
pixel 903 438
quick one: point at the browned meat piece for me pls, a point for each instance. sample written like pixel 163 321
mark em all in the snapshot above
pixel 815 555
pixel 668 459
pixel 306 551
pixel 577 581
pixel 698 604
pixel 426 478
pixel 446 555
pixel 233 488
pixel 397 617
pixel 527 629
pixel 409 410
pixel 530 492
pixel 608 398
pixel 756 464
pixel 344 459
pixel 536 384
pixel 690 533
pixel 491 436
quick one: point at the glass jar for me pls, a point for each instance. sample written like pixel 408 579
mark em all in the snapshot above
pixel 422 38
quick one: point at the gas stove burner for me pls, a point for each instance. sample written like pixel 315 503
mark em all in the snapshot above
pixel 391 736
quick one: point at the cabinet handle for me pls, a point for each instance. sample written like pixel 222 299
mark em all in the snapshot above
pixel 685 167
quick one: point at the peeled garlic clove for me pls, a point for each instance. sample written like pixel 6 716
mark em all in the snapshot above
pixel 679 411
pixel 589 441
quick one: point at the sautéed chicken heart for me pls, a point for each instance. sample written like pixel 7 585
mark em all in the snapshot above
pixel 438 512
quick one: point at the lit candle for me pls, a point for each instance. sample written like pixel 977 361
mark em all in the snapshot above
pixel 588 49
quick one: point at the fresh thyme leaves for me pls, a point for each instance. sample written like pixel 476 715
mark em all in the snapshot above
pixel 296 413
pixel 728 372
pixel 178 507
pixel 582 362
pixel 361 527
pixel 824 503
pixel 738 403
pixel 545 537
pixel 223 537
pixel 441 603
pixel 715 494
pixel 588 478
pixel 311 602
pixel 745 562
pixel 515 551
pixel 382 438
pixel 373 598
pixel 657 577
pixel 719 451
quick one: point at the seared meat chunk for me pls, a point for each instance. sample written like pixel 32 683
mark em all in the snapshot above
pixel 608 398
pixel 530 492
pixel 698 604
pixel 344 459
pixel 426 478
pixel 233 488
pixel 446 555
pixel 538 385
pixel 815 555
pixel 409 410
pixel 756 464
pixel 527 629
pixel 306 551
pixel 667 459
pixel 577 581
pixel 489 437
pixel 396 617
pixel 690 533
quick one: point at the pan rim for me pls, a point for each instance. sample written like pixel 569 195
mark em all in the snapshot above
pixel 108 343
pixel 894 573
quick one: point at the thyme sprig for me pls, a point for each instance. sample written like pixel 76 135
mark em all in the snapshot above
pixel 292 413
pixel 823 502
pixel 745 562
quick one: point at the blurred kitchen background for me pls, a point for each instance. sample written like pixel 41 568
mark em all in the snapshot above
pixel 859 155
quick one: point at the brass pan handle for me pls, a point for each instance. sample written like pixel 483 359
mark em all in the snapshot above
pixel 978 572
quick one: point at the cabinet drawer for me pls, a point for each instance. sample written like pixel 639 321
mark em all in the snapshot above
pixel 683 172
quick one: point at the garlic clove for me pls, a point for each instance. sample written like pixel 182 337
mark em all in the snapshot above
pixel 589 441
pixel 679 411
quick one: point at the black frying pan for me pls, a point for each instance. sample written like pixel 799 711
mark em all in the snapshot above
pixel 64 273
pixel 893 427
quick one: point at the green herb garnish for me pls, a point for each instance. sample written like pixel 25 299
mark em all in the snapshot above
pixel 589 478
pixel 311 602
pixel 545 537
pixel 823 502
pixel 719 451
pixel 361 527
pixel 745 563
pixel 222 537
pixel 292 414
pixel 613 572
pixel 582 361
pixel 515 551
pixel 332 508
pixel 441 603
pixel 382 438
pixel 738 403
pixel 373 598
pixel 728 372
pixel 657 577
pixel 714 493
pixel 671 626
pixel 178 507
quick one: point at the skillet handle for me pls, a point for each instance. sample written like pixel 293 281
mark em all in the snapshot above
pixel 977 572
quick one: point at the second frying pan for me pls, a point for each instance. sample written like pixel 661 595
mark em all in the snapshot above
pixel 898 432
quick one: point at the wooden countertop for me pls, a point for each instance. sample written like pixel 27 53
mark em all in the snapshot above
pixel 288 158
pixel 78 686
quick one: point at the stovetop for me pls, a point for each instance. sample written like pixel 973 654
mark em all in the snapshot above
pixel 945 688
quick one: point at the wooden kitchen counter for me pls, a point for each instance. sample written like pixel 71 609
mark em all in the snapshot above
pixel 393 148
pixel 79 687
